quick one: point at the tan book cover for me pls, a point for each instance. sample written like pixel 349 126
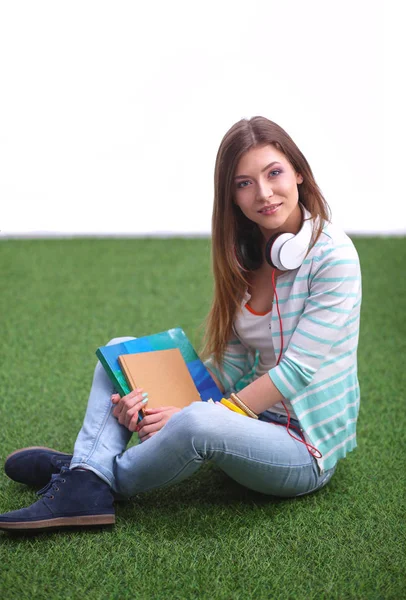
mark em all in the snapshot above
pixel 163 374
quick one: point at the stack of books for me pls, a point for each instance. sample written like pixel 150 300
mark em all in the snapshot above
pixel 164 364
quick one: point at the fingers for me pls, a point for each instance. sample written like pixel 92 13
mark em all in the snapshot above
pixel 146 437
pixel 127 414
pixel 153 421
pixel 150 422
pixel 126 402
pixel 127 407
pixel 150 419
pixel 131 416
pixel 146 431
pixel 158 409
pixel 132 425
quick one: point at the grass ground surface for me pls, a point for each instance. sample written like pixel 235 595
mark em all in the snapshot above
pixel 206 538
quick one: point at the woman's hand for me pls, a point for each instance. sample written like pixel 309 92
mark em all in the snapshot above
pixel 154 420
pixel 127 408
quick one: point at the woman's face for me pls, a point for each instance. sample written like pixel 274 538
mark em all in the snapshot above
pixel 265 189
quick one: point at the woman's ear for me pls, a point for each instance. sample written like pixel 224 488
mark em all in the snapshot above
pixel 299 178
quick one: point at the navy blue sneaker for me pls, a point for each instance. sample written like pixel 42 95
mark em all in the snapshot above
pixel 73 498
pixel 35 465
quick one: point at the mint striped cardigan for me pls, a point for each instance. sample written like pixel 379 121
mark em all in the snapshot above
pixel 320 308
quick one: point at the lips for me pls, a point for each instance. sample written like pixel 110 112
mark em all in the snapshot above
pixel 270 208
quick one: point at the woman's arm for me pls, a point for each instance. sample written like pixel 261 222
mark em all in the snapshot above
pixel 261 394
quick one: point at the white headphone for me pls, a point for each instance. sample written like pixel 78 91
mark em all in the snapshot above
pixel 287 251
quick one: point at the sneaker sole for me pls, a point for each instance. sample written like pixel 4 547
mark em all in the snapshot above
pixel 36 448
pixel 84 521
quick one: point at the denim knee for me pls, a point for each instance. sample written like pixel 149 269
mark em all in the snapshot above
pixel 194 420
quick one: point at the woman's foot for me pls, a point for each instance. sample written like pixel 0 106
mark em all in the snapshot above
pixel 73 498
pixel 35 465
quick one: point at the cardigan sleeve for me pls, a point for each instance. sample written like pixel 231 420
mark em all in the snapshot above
pixel 332 305
pixel 236 364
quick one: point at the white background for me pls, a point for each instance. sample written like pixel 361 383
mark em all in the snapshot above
pixel 112 112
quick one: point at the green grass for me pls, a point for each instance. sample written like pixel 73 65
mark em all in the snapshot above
pixel 206 538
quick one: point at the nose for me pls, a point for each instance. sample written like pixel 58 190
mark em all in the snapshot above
pixel 264 190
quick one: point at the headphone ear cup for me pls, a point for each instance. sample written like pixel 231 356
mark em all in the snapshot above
pixel 287 251
pixel 273 250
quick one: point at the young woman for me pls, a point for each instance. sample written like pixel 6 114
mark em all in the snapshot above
pixel 281 343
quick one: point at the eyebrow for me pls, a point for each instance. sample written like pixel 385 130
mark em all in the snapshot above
pixel 275 162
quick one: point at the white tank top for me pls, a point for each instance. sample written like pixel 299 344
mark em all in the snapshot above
pixel 254 330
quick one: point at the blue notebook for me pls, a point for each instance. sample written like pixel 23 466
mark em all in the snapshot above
pixel 166 340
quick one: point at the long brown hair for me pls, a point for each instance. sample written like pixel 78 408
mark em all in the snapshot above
pixel 229 224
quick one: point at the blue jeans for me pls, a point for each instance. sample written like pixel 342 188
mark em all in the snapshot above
pixel 259 455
